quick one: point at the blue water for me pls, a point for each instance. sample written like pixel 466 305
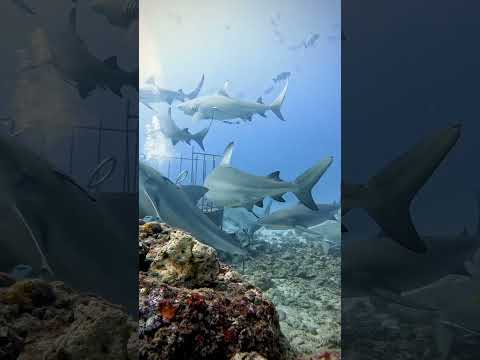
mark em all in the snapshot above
pixel 235 41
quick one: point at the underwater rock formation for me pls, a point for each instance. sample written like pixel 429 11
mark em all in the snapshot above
pixel 192 306
pixel 42 320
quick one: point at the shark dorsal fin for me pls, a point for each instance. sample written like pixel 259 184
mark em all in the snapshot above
pixel 227 155
pixel 112 62
pixel 274 175
pixel 260 100
pixel 223 91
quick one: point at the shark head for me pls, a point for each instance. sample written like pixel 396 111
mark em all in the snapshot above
pixel 189 107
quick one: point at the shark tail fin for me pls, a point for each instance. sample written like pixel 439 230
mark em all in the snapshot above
pixel 307 181
pixel 199 137
pixel 277 103
pixel 388 195
pixel 196 91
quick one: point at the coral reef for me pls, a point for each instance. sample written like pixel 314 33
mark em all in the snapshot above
pixel 41 320
pixel 192 306
pixel 303 282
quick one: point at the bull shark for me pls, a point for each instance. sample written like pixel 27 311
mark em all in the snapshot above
pixel 171 131
pixel 70 56
pixel 153 94
pixel 230 187
pixel 387 196
pixel 120 13
pixel 222 107
pixel 55 226
pixel 169 202
pixel 299 217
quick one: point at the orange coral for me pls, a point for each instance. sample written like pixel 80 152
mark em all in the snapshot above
pixel 167 310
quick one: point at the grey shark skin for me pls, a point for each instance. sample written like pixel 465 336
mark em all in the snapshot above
pixel 299 217
pixel 55 225
pixel 174 206
pixel 152 94
pixel 120 13
pixel 171 131
pixel 222 107
pixel 387 196
pixel 69 54
pixel 230 187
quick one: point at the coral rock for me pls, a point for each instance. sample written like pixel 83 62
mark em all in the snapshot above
pixel 181 260
pixel 180 320
pixel 41 320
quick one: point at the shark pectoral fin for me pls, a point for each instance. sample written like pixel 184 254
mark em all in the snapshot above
pixel 259 203
pixel 174 142
pixel 397 224
pixel 194 192
pixel 38 238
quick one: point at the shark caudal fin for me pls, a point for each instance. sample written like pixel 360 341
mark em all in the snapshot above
pixel 277 103
pixel 196 91
pixel 200 136
pixel 388 195
pixel 307 181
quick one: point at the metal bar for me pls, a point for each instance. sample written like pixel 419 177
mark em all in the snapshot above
pixel 103 129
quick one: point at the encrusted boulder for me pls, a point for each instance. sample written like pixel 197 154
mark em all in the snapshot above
pixel 208 311
pixel 180 260
pixel 42 320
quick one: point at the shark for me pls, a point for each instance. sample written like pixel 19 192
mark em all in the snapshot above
pixel 381 266
pixel 52 224
pixel 173 205
pixel 121 13
pixel 153 94
pixel 387 195
pixel 171 131
pixel 299 217
pixel 70 56
pixel 230 187
pixel 222 107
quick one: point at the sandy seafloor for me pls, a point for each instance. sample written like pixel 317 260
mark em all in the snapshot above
pixel 301 276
